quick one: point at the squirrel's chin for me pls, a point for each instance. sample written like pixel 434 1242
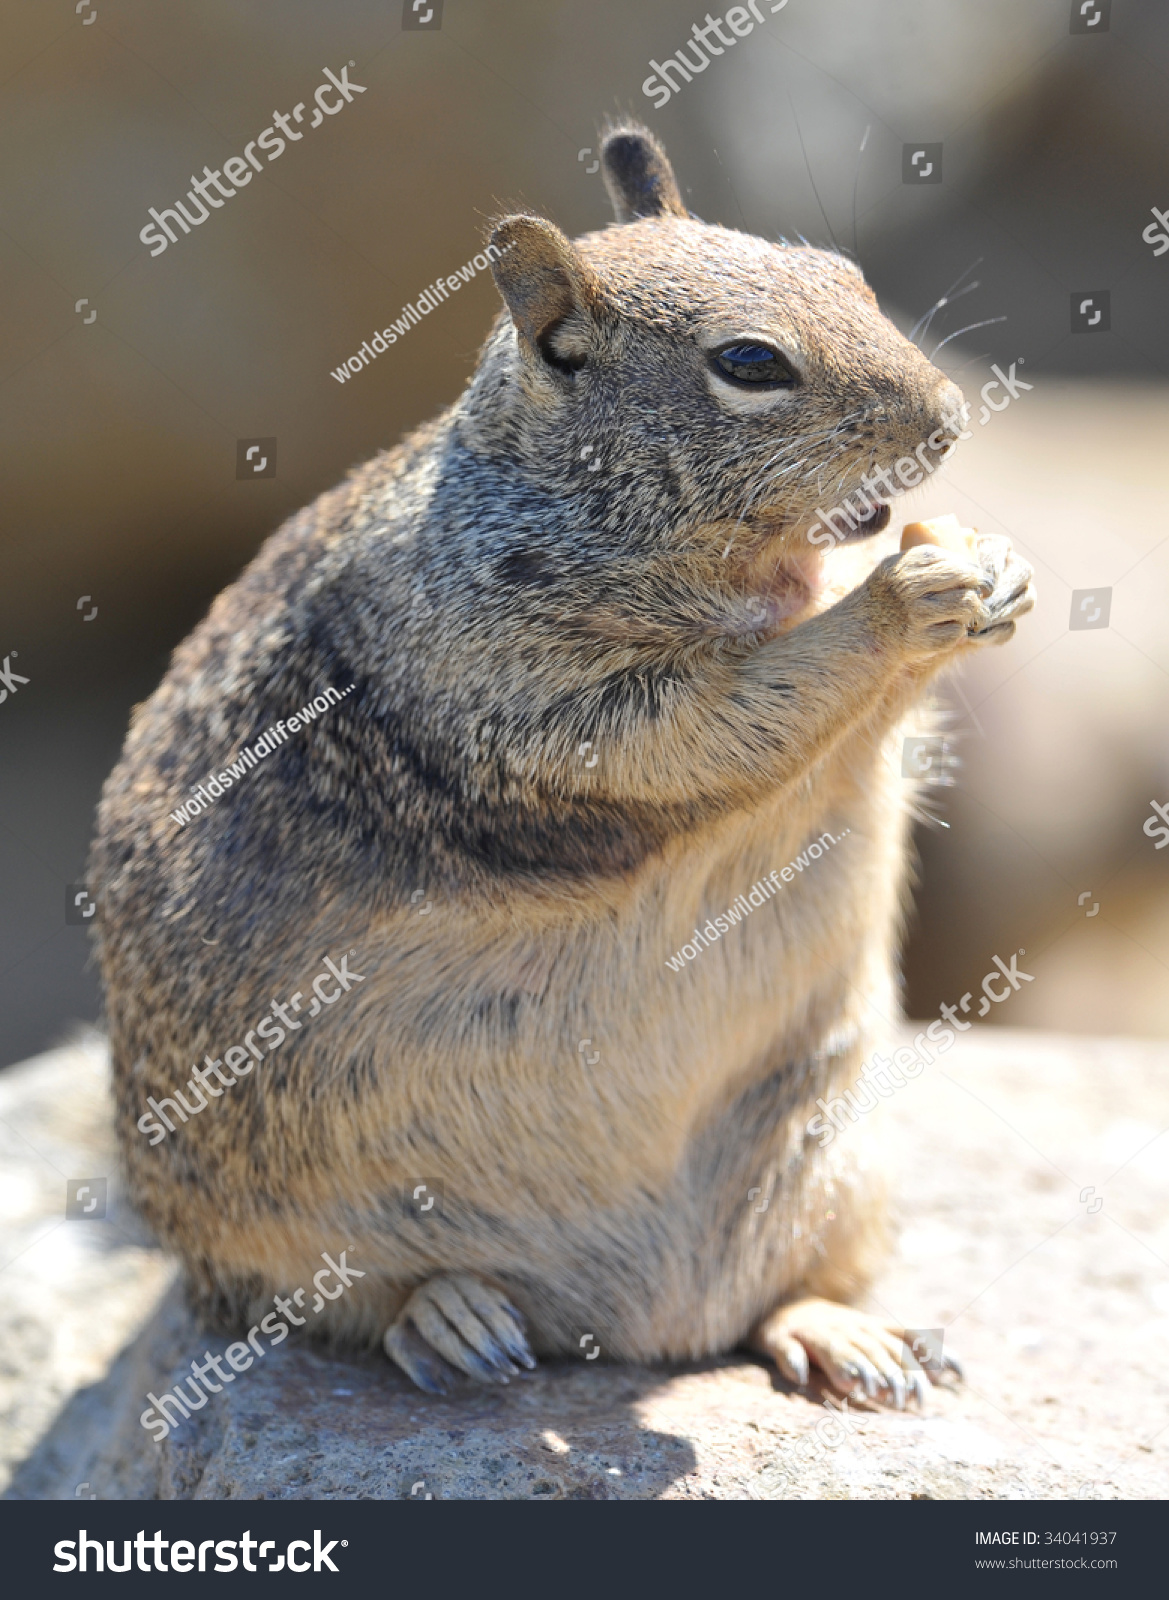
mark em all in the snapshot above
pixel 794 586
pixel 793 535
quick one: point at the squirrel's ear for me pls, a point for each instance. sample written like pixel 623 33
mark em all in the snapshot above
pixel 554 297
pixel 638 175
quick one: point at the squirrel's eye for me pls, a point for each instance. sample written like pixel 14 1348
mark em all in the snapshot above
pixel 754 363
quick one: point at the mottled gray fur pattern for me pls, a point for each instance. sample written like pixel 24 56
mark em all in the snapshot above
pixel 603 542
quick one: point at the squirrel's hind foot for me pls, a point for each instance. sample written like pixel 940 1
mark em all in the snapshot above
pixel 860 1355
pixel 457 1323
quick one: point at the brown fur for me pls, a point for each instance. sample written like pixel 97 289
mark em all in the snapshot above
pixel 497 604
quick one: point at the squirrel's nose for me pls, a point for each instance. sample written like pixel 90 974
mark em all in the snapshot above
pixel 946 399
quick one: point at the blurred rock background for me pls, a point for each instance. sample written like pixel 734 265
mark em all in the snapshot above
pixel 119 435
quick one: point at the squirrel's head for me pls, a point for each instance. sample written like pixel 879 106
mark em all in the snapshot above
pixel 670 374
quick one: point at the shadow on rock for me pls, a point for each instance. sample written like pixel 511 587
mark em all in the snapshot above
pixel 307 1424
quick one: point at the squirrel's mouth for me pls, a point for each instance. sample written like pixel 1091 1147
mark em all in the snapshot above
pixel 841 526
pixel 874 521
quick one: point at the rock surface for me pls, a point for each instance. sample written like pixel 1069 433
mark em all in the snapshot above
pixel 1059 1307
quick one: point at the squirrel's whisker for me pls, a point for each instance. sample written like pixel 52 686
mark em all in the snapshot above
pixel 944 300
pixel 969 328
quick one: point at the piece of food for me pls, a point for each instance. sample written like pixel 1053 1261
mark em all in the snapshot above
pixel 946 532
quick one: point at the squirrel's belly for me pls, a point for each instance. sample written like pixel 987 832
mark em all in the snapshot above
pixel 597 1121
pixel 588 1077
pixel 643 1170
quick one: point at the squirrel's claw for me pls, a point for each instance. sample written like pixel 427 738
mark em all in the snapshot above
pixel 860 1355
pixel 951 1364
pixel 1012 594
pixel 471 1326
pixel 410 1351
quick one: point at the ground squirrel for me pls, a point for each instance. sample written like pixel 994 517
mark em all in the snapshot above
pixel 603 681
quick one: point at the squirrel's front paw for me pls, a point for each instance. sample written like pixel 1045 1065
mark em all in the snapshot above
pixel 1013 594
pixel 931 600
pixel 457 1321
